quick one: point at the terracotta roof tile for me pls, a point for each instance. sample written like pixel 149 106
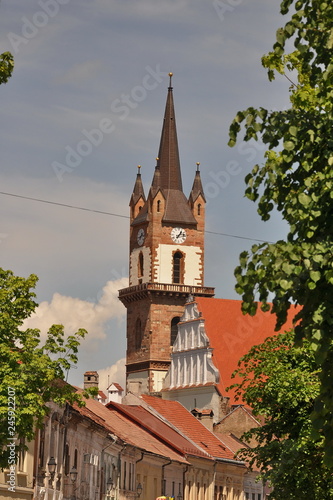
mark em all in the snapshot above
pixel 232 442
pixel 181 418
pixel 232 334
pixel 116 422
pixel 159 428
pixel 117 386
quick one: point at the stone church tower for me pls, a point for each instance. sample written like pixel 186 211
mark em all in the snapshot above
pixel 166 261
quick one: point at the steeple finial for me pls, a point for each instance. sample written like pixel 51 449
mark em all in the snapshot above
pixel 168 154
pixel 198 165
pixel 170 83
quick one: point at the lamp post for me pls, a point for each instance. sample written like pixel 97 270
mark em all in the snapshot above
pixel 73 477
pixel 138 490
pixel 109 487
pixel 52 467
pixel 73 474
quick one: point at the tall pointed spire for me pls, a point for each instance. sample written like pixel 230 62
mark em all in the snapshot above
pixel 167 177
pixel 168 155
pixel 138 190
pixel 197 188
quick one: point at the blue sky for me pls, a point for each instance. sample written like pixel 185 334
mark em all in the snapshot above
pixel 96 71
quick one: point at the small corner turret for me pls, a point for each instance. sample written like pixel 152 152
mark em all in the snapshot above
pixel 138 198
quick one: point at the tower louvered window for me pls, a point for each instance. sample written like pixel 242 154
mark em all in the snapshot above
pixel 177 267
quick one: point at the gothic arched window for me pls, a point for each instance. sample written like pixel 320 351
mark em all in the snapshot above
pixel 177 268
pixel 199 208
pixel 174 329
pixel 138 333
pixel 140 265
pixel 158 205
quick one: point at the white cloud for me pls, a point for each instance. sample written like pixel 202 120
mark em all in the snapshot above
pixel 75 313
pixel 115 373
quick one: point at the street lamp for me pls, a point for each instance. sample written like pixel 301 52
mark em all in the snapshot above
pixel 73 474
pixel 139 490
pixel 52 467
pixel 109 485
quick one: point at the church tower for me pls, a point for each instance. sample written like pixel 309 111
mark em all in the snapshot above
pixel 166 261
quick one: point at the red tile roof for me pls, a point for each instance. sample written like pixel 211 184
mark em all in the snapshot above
pixel 181 418
pixel 117 386
pixel 101 394
pixel 160 429
pixel 122 426
pixel 232 334
pixel 232 442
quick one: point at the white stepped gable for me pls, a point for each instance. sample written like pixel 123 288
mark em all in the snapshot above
pixel 191 359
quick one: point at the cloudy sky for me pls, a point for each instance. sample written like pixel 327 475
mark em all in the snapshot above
pixel 85 106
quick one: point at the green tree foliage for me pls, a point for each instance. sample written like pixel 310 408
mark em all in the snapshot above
pixel 32 372
pixel 6 66
pixel 280 382
pixel 297 180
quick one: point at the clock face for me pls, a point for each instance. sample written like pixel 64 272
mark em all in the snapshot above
pixel 178 235
pixel 141 236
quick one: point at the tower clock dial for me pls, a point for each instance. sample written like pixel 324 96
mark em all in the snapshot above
pixel 178 235
pixel 141 236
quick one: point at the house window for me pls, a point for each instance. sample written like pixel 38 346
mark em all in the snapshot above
pixel 41 446
pixel 124 484
pixel 158 205
pixel 130 477
pixel 140 265
pixel 174 329
pixel 67 459
pixel 21 455
pixel 138 333
pixel 178 259
pixel 75 459
pixel 199 208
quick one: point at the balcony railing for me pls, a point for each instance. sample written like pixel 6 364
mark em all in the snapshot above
pixel 167 288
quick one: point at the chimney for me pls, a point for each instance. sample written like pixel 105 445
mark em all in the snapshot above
pixel 205 416
pixel 90 380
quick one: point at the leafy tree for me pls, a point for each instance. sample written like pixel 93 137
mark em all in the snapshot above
pixel 280 382
pixel 6 66
pixel 31 373
pixel 297 180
